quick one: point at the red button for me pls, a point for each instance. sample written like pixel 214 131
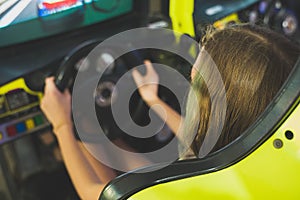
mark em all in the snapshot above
pixel 11 131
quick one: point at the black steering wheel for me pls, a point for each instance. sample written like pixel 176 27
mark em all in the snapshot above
pixel 68 69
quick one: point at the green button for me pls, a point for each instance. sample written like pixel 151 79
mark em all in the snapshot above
pixel 38 120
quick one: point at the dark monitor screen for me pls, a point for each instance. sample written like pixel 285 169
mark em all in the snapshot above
pixel 25 20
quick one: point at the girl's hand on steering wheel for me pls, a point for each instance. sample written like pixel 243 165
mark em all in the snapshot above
pixel 56 105
pixel 148 84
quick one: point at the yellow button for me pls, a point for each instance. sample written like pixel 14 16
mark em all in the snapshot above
pixel 1 136
pixel 29 124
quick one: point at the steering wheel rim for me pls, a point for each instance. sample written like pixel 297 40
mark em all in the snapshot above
pixel 66 70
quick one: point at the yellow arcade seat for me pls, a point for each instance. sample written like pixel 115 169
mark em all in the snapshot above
pixel 263 163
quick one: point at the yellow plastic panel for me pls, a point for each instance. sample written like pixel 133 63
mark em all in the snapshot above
pixel 181 13
pixel 19 84
pixel 222 23
pixel 267 173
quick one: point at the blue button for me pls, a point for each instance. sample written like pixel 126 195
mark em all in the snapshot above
pixel 20 127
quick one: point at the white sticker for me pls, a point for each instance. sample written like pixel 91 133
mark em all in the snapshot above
pixel 214 10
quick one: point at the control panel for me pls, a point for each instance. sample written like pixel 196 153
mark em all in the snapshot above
pixel 20 113
pixel 279 15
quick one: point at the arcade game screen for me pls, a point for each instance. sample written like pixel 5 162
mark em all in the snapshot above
pixel 25 20
pixel 14 11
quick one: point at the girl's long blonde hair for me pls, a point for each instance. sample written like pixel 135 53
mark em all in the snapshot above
pixel 253 62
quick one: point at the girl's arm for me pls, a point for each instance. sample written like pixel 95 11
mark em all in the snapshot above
pixel 57 108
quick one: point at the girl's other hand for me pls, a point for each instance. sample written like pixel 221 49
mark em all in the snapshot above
pixel 148 84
